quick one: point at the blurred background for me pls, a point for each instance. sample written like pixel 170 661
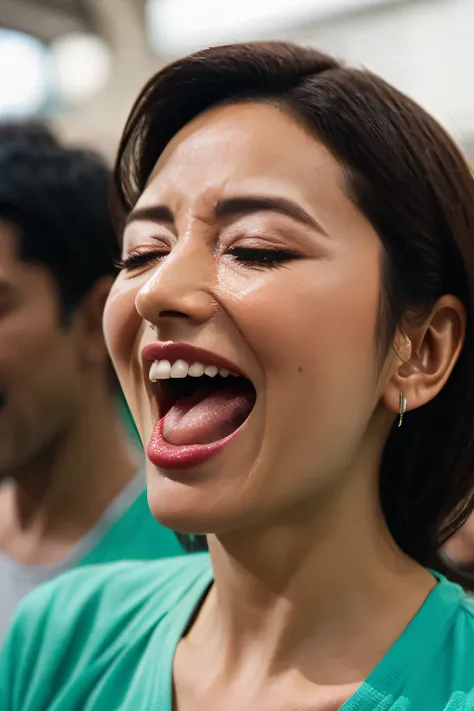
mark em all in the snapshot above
pixel 80 63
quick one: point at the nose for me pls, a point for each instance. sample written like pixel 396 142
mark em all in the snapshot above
pixel 179 291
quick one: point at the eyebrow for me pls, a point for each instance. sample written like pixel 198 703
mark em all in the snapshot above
pixel 153 213
pixel 231 207
pixel 248 205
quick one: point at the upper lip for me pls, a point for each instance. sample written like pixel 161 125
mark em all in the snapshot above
pixel 173 351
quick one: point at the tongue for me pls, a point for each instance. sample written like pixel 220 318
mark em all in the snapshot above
pixel 206 416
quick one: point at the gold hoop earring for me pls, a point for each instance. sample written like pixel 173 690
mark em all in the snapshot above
pixel 402 407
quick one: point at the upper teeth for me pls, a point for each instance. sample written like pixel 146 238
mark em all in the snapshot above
pixel 163 369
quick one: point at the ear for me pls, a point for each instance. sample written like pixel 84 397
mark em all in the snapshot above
pixel 424 361
pixel 88 321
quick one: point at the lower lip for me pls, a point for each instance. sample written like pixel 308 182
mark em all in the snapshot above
pixel 171 456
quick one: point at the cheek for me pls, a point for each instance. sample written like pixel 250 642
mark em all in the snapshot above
pixel 122 328
pixel 28 337
pixel 121 323
pixel 313 312
pixel 124 331
pixel 312 327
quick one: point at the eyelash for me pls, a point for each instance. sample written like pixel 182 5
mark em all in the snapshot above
pixel 270 258
pixel 139 259
pixel 250 256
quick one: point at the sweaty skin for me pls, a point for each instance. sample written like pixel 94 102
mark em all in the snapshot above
pixel 310 589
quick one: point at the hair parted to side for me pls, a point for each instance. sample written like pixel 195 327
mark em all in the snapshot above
pixel 410 180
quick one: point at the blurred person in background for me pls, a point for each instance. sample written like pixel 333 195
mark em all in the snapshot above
pixel 293 328
pixel 72 483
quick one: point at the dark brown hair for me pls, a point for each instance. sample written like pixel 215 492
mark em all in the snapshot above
pixel 410 180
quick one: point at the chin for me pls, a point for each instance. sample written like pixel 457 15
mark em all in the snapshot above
pixel 192 508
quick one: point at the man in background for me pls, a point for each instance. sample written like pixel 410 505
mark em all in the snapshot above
pixel 71 485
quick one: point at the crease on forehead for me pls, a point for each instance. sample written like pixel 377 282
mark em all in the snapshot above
pixel 270 152
pixel 252 136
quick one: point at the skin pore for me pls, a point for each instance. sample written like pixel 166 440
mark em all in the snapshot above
pixel 310 590
pixel 63 455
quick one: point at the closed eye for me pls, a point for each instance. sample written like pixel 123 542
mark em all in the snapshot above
pixel 139 259
pixel 250 256
pixel 270 258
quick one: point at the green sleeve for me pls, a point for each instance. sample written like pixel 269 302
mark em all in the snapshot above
pixel 66 633
pixel 19 656
pixel 7 664
pixel 55 629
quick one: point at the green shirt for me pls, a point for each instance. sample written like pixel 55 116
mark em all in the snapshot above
pixel 126 531
pixel 136 535
pixel 103 639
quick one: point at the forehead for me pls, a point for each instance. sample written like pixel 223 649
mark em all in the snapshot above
pixel 252 147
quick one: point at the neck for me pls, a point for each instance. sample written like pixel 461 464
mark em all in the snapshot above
pixel 326 591
pixel 53 501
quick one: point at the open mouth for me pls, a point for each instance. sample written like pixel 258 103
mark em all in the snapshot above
pixel 199 404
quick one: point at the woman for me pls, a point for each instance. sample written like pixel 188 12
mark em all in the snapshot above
pixel 293 329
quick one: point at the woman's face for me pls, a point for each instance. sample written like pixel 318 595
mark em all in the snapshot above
pixel 253 252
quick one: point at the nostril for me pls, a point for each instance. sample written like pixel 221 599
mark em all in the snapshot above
pixel 172 314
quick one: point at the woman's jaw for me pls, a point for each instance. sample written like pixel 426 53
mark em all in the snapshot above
pixel 202 430
pixel 245 245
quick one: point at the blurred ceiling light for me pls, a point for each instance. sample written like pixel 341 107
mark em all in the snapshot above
pixel 82 64
pixel 25 75
pixel 179 26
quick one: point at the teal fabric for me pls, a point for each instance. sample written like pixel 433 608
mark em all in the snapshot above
pixel 103 639
pixel 136 535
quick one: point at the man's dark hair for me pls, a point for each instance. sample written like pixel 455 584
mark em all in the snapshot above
pixel 57 198
pixel 409 179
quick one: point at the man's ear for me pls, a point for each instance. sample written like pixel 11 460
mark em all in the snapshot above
pixel 88 321
pixel 427 357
